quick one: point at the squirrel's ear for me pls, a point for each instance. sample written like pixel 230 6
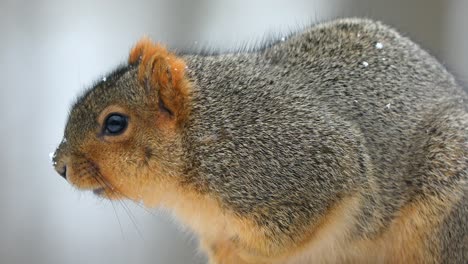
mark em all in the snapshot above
pixel 162 73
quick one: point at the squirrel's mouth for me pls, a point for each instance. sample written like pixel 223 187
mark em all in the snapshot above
pixel 107 192
pixel 99 191
pixel 85 174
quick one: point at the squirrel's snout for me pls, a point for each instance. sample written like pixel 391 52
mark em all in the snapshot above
pixel 60 167
pixel 59 160
pixel 62 171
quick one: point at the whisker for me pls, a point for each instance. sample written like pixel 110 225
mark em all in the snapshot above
pixel 132 218
pixel 114 190
pixel 102 183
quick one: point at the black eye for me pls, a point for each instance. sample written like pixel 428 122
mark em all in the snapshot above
pixel 115 124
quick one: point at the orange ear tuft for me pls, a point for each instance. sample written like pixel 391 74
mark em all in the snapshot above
pixel 165 72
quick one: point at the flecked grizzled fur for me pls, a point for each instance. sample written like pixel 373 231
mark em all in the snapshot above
pixel 349 108
pixel 326 113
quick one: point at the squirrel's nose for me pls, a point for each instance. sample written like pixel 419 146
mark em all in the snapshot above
pixel 59 159
pixel 62 171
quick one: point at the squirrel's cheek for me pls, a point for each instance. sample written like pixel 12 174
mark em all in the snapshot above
pixel 125 169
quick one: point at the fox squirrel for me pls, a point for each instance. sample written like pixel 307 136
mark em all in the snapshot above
pixel 344 143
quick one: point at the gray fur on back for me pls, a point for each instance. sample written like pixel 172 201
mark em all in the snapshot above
pixel 348 106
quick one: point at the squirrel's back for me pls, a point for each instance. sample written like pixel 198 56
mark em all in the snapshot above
pixel 346 106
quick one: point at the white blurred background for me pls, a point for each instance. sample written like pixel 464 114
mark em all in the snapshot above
pixel 51 50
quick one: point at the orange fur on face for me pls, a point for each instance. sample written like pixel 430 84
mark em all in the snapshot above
pixel 164 72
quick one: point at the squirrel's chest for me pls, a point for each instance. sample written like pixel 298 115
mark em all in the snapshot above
pixel 200 213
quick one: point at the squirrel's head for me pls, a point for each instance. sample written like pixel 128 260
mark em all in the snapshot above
pixel 123 134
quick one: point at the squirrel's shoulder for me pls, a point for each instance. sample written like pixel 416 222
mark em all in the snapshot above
pixel 347 34
pixel 358 25
pixel 330 30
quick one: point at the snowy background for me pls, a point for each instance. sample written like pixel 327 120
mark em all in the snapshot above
pixel 51 50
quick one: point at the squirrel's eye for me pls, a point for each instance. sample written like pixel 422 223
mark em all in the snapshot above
pixel 115 124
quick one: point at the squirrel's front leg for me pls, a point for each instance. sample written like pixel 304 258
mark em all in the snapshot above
pixel 222 252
